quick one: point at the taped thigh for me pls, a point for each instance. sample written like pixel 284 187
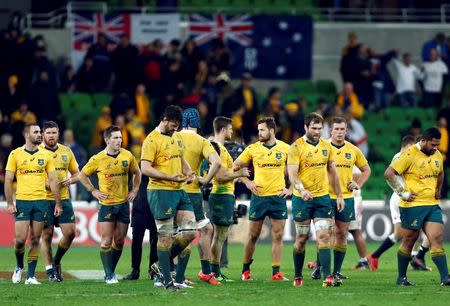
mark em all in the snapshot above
pixel 165 227
pixel 323 225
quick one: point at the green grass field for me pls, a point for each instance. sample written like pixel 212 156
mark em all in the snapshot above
pixel 363 287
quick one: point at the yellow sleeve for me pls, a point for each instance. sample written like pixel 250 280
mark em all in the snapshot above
pixel 331 153
pixel 149 150
pixel 73 164
pixel 402 163
pixel 90 167
pixel 50 164
pixel 133 163
pixel 361 160
pixel 11 164
pixel 294 154
pixel 208 149
pixel 246 156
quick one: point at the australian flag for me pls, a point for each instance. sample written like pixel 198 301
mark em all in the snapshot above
pixel 269 47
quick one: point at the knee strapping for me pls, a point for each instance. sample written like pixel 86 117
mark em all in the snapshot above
pixel 323 225
pixel 392 238
pixel 165 227
pixel 301 229
pixel 187 226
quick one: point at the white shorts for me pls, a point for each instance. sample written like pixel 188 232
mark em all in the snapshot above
pixel 395 210
pixel 357 223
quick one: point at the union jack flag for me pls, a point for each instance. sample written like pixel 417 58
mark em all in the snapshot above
pixel 237 29
pixel 86 27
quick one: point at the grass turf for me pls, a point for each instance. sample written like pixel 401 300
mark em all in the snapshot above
pixel 362 288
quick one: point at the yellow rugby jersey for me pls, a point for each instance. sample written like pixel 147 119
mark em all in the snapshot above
pixel 112 173
pixel 312 161
pixel 226 161
pixel 165 153
pixel 345 157
pixel 420 173
pixel 64 161
pixel 31 170
pixel 196 148
pixel 269 165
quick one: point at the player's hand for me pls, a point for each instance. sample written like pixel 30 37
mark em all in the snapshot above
pixel 12 209
pixel 65 183
pixel 58 210
pixel 179 178
pixel 47 185
pixel 99 195
pixel 412 197
pixel 190 178
pixel 132 195
pixel 285 193
pixel 352 185
pixel 244 172
pixel 340 204
pixel 306 195
pixel 437 195
pixel 253 187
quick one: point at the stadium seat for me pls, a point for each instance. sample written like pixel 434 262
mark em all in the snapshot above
pixel 326 87
pixel 303 87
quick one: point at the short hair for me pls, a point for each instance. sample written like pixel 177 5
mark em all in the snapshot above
pixel 26 128
pixel 338 120
pixel 49 125
pixel 269 121
pixel 220 123
pixel 313 118
pixel 172 113
pixel 407 140
pixel 431 133
pixel 109 130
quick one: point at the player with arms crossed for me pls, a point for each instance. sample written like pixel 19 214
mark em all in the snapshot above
pixel 65 162
pixel 112 167
pixel 421 167
pixel 269 193
pixel 32 167
pixel 311 170
pixel 162 160
pixel 221 200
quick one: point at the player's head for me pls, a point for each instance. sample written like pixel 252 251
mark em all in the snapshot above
pixel 171 119
pixel 32 134
pixel 407 58
pixel 430 140
pixel 407 141
pixel 222 125
pixel 191 118
pixel 51 133
pixel 266 129
pixel 338 129
pixel 313 126
pixel 113 137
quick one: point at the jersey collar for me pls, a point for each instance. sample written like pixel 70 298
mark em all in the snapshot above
pixel 31 152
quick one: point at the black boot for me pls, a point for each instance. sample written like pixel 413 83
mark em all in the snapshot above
pixel 134 275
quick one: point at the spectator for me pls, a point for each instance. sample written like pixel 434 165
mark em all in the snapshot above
pixel 191 55
pixel 120 104
pixel 120 122
pixel 103 122
pixel 67 80
pixel 415 129
pixel 437 43
pixel 382 84
pixel 443 148
pixel 172 86
pixel 349 103
pixel 152 62
pixel 24 115
pixel 407 74
pixel 5 148
pixel 201 76
pixel 79 152
pixel 295 112
pixel 135 127
pixel 244 106
pixel 142 104
pixel 272 105
pixel 349 56
pixel 363 77
pixel 434 71
pixel 124 61
pixel 85 78
pixel 12 97
pixel 101 68
pixel 219 58
pixel 357 135
pixel 173 51
pixel 44 101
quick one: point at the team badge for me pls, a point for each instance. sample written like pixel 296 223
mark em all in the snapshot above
pixel 64 158
pixel 278 155
pixel 436 162
pixel 180 144
pixel 348 155
pixel 325 152
pixel 125 163
pixel 40 162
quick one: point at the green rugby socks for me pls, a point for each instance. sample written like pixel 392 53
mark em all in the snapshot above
pixel 32 262
pixel 403 259
pixel 339 255
pixel 440 260
pixel 106 257
pixel 299 260
pixel 325 259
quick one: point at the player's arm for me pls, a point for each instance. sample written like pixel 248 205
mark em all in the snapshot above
pixel 214 162
pixel 440 181
pixel 54 187
pixel 286 192
pixel 73 179
pixel 249 184
pixel 333 178
pixel 296 183
pixel 224 176
pixel 150 171
pixel 393 176
pixel 359 180
pixel 137 176
pixel 9 189
pixel 86 182
pixel 187 170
